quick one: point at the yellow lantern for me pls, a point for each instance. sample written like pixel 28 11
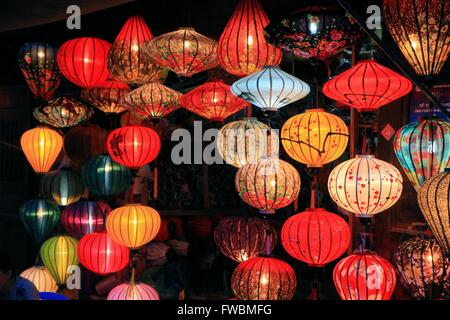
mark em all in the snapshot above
pixel 41 146
pixel 315 137
pixel 41 278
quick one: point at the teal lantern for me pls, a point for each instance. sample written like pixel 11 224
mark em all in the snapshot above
pixel 103 176
pixel 39 217
pixel 63 186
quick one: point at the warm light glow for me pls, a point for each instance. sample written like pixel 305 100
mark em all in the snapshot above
pixel 108 97
pixel 250 40
pixel 41 278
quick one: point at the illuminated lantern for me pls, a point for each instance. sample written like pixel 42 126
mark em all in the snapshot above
pixel 315 137
pixel 365 185
pixel 83 61
pixel 153 100
pixel 41 278
pixel 434 202
pixel 41 147
pixel 39 217
pixel 133 146
pixel 422 149
pixel 100 254
pixel 246 141
pixel 270 89
pixel 133 225
pixel 423 268
pixel 133 291
pixel 213 101
pixel 58 254
pixel 364 276
pixel 421 30
pixel 103 176
pixel 315 236
pixel 242 238
pixel 37 61
pixel 108 97
pixel 242 47
pixel 62 113
pixel 63 186
pixel 367 86
pixel 84 217
pixel 264 278
pixel 185 52
pixel 268 184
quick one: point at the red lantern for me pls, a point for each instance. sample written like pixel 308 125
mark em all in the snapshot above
pixel 98 253
pixel 83 61
pixel 133 146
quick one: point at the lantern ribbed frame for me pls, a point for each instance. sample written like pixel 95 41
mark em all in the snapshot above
pixel 133 291
pixel 41 278
pixel 63 186
pixel 108 97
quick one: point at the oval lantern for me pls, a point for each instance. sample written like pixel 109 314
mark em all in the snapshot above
pixel 264 278
pixel 58 254
pixel 365 185
pixel 62 112
pixel 133 291
pixel 108 97
pixel 41 278
pixel 41 147
pixel 63 186
pixel 315 137
pixel 422 149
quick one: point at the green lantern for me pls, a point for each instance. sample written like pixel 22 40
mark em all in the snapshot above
pixel 63 186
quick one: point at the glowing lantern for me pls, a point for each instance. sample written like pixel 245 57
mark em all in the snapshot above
pixel 367 86
pixel 133 146
pixel 242 238
pixel 63 186
pixel 58 254
pixel 270 89
pixel 364 276
pixel 315 137
pixel 41 278
pixel 242 47
pixel 268 184
pixel 133 291
pixel 365 185
pixel 41 146
pixel 422 149
pixel 62 113
pixel 39 217
pixel 421 30
pixel 108 97
pixel 133 225
pixel 213 101
pixel 264 278
pixel 83 61
pixel 185 52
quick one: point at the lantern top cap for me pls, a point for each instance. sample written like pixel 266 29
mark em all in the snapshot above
pixel 364 156
pixel 186 28
pixel 314 209
pixel 315 110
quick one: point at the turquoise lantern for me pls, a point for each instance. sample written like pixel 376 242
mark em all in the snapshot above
pixel 63 186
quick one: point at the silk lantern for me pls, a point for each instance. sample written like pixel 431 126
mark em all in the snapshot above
pixel 63 186
pixel 315 137
pixel 365 185
pixel 422 149
pixel 41 278
pixel 41 147
pixel 62 113
pixel 107 97
pixel 133 291
pixel 270 89
pixel 242 47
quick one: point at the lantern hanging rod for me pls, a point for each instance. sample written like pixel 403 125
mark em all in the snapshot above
pixel 394 58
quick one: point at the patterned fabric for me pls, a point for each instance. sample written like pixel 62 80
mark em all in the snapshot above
pixel 62 113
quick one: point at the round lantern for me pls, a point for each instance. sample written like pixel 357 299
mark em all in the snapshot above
pixel 41 278
pixel 37 61
pixel 62 113
pixel 268 184
pixel 39 217
pixel 315 236
pixel 133 225
pixel 365 185
pixel 423 268
pixel 107 97
pixel 422 149
pixel 58 254
pixel 434 202
pixel 84 217
pixel 133 291
pixel 100 254
pixel 421 30
pixel 364 276
pixel 270 89
pixel 103 176
pixel 315 137
pixel 246 141
pixel 41 147
pixel 83 61
pixel 264 278
pixel 63 186
pixel 133 146
pixel 367 86
pixel 242 238
pixel 242 47
pixel 185 52
pixel 213 101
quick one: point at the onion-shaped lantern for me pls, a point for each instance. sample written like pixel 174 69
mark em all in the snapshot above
pixel 422 148
pixel 41 278
pixel 133 291
pixel 63 186
pixel 107 97
pixel 315 137
pixel 365 185
pixel 62 113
